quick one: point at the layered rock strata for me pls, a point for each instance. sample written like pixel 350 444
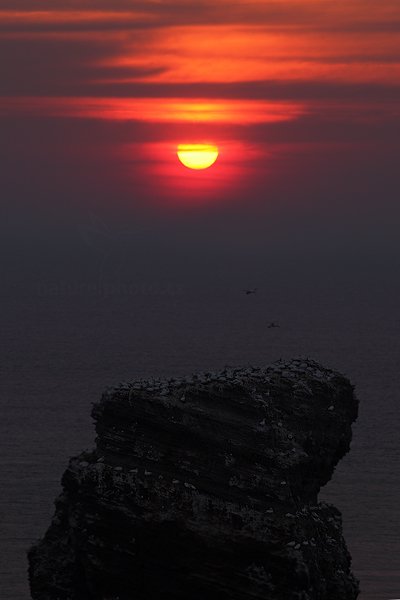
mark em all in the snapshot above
pixel 206 487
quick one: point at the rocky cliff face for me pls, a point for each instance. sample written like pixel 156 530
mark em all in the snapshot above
pixel 206 488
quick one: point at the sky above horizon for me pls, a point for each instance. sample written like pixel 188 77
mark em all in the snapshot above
pixel 300 96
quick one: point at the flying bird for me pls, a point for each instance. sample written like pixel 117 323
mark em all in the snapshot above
pixel 272 325
pixel 252 291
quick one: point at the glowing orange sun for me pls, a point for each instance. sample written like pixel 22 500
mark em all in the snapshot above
pixel 197 156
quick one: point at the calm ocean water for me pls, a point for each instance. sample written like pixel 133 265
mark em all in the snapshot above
pixel 62 344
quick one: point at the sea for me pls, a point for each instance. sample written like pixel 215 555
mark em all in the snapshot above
pixel 67 333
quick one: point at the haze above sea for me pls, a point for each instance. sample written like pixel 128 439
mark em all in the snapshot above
pixel 78 320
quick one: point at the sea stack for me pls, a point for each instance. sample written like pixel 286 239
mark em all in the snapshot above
pixel 206 488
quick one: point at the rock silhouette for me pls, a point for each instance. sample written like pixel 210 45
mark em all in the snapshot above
pixel 206 487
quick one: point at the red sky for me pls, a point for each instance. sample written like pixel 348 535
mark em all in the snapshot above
pixel 260 79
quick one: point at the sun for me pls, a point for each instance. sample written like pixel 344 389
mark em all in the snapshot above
pixel 197 156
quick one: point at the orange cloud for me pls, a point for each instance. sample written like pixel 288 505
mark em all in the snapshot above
pixel 159 45
pixel 233 54
pixel 172 110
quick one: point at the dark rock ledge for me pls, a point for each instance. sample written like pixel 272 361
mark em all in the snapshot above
pixel 206 488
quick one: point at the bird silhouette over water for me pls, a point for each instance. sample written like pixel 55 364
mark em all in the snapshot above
pixel 251 291
pixel 272 325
